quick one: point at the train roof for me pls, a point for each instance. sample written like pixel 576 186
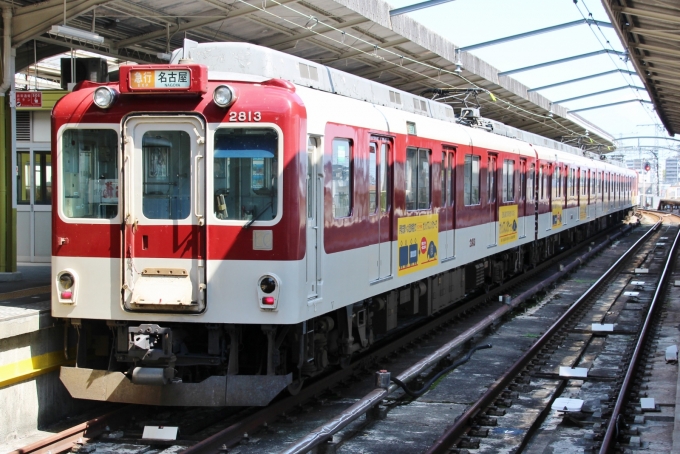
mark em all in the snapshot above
pixel 250 62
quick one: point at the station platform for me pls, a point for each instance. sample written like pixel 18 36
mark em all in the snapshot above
pixel 32 349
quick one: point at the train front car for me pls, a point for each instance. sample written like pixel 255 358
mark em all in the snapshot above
pixel 178 235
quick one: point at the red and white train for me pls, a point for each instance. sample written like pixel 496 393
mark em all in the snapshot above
pixel 232 223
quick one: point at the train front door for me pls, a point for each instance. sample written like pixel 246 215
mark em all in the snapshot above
pixel 314 188
pixel 164 214
pixel 380 208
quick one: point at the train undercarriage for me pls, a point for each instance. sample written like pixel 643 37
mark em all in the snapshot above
pixel 227 364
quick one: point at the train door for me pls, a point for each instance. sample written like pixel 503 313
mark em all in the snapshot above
pixel 380 207
pixel 164 214
pixel 313 190
pixel 492 194
pixel 34 205
pixel 448 182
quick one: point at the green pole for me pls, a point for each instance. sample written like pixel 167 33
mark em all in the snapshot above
pixel 8 215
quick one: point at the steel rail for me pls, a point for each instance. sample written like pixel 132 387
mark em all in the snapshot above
pixel 324 432
pixel 459 428
pixel 609 437
pixel 64 441
pixel 248 424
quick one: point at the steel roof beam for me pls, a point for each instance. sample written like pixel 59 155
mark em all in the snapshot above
pixel 601 106
pixel 417 6
pixel 33 20
pixel 561 60
pixel 648 137
pixel 666 17
pixel 600 93
pixel 654 33
pixel 309 34
pixel 580 79
pixel 534 32
pixel 190 25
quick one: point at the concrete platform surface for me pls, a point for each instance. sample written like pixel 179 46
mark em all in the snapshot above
pixel 30 276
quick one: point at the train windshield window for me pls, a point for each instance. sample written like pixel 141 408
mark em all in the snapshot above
pixel 417 179
pixel 471 196
pixel 246 173
pixel 166 162
pixel 89 172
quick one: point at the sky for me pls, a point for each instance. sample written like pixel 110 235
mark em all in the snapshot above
pixel 467 22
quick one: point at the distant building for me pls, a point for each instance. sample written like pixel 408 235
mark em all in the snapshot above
pixel 672 171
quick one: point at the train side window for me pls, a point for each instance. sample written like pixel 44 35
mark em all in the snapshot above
pixel 246 173
pixel 384 179
pixel 471 170
pixel 442 180
pixel 491 188
pixel 418 182
pixel 508 180
pixel 372 178
pixel 531 177
pixel 341 181
pixel 541 181
pixel 89 173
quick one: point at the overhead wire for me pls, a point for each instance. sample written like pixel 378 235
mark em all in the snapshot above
pixel 626 76
pixel 374 54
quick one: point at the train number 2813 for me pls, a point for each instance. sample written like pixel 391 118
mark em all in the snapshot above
pixel 245 116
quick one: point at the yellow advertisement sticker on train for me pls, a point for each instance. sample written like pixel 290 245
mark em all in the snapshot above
pixel 582 211
pixel 507 222
pixel 417 237
pixel 556 215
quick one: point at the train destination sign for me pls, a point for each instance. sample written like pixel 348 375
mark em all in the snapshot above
pixel 163 78
pixel 184 79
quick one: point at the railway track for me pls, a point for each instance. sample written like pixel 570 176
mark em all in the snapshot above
pixel 250 429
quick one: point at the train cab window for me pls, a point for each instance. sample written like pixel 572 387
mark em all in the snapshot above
pixel 246 173
pixel 508 180
pixel 89 173
pixel 471 170
pixel 418 183
pixel 341 181
pixel 166 170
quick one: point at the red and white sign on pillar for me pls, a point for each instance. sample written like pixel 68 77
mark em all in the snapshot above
pixel 28 99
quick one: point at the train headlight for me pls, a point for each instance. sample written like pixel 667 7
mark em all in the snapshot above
pixel 268 288
pixel 224 96
pixel 104 96
pixel 66 281
pixel 267 284
pixel 67 285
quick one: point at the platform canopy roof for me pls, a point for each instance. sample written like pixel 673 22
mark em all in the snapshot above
pixel 649 30
pixel 357 36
